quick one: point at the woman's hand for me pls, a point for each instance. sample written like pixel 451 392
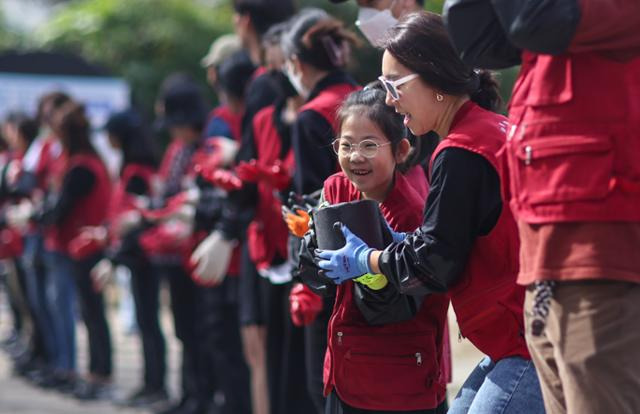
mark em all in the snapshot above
pixel 348 262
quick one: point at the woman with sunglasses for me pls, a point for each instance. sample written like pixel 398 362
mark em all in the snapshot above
pixel 467 244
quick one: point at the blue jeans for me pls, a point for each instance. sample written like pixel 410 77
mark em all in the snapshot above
pixel 509 386
pixel 61 298
pixel 36 291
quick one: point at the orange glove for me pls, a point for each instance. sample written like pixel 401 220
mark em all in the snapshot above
pixel 297 222
pixel 304 305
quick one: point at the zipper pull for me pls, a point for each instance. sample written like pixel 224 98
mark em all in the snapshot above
pixel 528 155
pixel 339 338
pixel 418 358
pixel 460 337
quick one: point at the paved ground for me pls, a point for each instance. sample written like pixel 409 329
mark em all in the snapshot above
pixel 19 397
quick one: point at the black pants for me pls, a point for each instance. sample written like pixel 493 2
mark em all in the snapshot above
pixel 145 287
pixel 184 308
pixel 336 406
pixel 315 349
pixel 286 369
pixel 93 314
pixel 220 343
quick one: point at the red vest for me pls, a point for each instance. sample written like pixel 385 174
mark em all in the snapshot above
pixel 267 234
pixel 574 139
pixel 487 301
pixel 232 119
pixel 121 201
pixel 390 367
pixel 90 210
pixel 327 102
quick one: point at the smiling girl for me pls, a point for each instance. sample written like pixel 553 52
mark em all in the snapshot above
pixel 362 357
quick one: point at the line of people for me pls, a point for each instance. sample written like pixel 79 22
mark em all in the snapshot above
pixel 435 205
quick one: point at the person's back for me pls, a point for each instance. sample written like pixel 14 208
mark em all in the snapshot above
pixel 572 146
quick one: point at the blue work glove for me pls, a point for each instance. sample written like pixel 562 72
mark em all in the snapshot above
pixel 398 237
pixel 348 262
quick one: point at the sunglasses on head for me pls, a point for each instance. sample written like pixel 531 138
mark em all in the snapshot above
pixel 392 85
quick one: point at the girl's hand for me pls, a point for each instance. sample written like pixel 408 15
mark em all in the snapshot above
pixel 348 262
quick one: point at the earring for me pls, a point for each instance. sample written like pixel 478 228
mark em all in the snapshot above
pixel 439 97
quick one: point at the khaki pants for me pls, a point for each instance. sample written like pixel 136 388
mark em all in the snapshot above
pixel 588 358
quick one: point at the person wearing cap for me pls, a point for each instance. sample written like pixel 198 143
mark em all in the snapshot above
pixel 184 114
pixel 375 17
pixel 221 48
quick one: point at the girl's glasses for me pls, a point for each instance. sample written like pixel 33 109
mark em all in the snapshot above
pixel 392 85
pixel 367 148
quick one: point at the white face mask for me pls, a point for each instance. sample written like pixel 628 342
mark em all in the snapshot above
pixel 374 23
pixel 296 80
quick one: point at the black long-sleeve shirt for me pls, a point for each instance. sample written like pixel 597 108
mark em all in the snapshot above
pixel 311 137
pixel 77 183
pixel 464 203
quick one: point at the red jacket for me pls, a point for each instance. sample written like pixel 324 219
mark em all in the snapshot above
pixel 574 139
pixel 487 301
pixel 394 366
pixel 267 234
pixel 91 210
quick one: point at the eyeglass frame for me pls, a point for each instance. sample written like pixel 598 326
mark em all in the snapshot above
pixel 353 146
pixel 391 86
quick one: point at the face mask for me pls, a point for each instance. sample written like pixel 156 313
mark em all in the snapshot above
pixel 296 81
pixel 374 23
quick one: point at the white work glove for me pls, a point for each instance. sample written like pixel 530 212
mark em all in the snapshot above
pixel 211 259
pixel 193 196
pixel 101 274
pixel 18 216
pixel 128 221
pixel 228 149
pixel 186 213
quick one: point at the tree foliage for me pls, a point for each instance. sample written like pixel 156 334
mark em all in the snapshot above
pixel 142 40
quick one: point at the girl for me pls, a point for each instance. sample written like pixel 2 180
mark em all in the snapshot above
pixel 468 243
pixel 126 132
pixel 82 200
pixel 316 49
pixel 362 358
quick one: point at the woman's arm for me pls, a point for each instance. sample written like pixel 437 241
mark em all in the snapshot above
pixel 464 202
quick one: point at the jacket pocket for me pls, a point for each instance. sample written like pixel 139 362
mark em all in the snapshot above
pixel 561 168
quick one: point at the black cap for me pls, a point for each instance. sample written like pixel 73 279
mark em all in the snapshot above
pixel 124 124
pixel 183 105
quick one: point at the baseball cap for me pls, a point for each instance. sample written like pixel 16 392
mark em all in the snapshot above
pixel 221 48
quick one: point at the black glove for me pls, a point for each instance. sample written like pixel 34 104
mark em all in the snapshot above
pixel 308 271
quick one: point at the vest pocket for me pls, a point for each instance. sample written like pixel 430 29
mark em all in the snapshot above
pixel 376 373
pixel 561 168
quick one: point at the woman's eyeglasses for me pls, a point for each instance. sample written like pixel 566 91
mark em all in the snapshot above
pixel 368 148
pixel 392 85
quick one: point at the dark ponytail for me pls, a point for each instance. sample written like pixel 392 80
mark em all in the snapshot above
pixel 421 42
pixel 318 39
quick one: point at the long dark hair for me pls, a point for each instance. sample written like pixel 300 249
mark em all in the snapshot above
pixel 318 39
pixel 370 103
pixel 421 42
pixel 71 126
